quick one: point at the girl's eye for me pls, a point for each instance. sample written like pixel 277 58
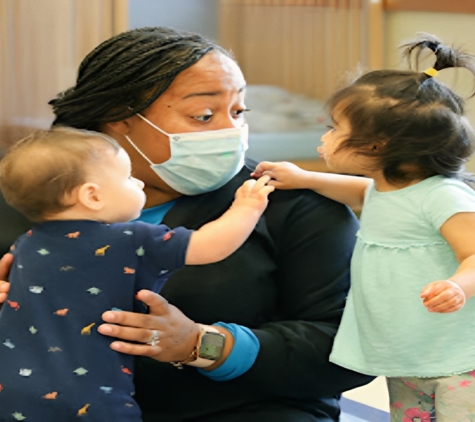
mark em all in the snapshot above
pixel 204 118
pixel 239 113
pixel 329 127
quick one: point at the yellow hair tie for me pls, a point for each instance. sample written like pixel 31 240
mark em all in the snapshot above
pixel 431 72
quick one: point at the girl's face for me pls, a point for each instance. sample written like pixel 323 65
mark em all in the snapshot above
pixel 344 160
pixel 209 95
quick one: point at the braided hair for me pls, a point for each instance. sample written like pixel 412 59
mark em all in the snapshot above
pixel 410 124
pixel 127 73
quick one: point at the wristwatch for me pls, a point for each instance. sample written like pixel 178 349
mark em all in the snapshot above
pixel 208 349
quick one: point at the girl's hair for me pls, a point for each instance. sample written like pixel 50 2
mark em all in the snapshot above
pixel 126 74
pixel 39 171
pixel 411 124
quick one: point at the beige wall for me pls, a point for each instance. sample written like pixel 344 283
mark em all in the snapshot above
pixel 452 28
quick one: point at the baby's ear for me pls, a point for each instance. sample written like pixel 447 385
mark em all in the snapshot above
pixel 89 195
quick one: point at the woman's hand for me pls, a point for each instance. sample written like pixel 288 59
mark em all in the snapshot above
pixel 177 334
pixel 5 265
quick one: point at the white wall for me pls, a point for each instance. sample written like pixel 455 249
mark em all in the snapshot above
pixel 191 15
pixel 453 29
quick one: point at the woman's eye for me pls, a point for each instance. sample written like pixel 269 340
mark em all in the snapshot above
pixel 204 118
pixel 329 127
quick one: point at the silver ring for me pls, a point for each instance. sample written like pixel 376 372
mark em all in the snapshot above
pixel 154 339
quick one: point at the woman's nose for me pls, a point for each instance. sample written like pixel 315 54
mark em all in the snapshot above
pixel 229 121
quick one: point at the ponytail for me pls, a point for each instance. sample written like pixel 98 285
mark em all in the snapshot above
pixel 446 56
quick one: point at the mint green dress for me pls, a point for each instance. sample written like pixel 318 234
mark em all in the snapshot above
pixel 386 330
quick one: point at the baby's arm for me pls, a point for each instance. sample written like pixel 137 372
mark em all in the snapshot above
pixel 348 190
pixel 218 239
pixel 450 295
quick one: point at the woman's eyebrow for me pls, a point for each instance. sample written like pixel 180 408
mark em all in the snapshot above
pixel 201 94
pixel 210 93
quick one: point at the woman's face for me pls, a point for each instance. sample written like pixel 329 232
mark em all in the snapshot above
pixel 209 95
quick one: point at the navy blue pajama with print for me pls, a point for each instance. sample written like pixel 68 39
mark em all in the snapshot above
pixel 54 365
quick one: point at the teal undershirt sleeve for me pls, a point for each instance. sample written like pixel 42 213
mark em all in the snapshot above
pixel 242 357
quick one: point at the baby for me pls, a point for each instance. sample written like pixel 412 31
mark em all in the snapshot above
pixel 81 258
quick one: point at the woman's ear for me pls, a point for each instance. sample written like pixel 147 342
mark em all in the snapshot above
pixel 89 196
pixel 122 127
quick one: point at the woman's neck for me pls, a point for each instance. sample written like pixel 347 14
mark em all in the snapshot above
pixel 157 197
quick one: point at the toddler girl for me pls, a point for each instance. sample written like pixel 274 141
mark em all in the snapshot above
pixel 402 139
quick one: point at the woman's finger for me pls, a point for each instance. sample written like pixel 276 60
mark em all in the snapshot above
pixel 136 349
pixel 5 265
pixel 157 304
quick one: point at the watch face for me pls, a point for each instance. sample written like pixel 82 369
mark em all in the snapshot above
pixel 211 346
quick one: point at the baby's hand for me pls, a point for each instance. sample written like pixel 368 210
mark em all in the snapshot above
pixel 443 296
pixel 284 175
pixel 254 193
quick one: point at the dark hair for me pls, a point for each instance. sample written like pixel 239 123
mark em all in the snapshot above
pixel 415 122
pixel 126 74
pixel 40 170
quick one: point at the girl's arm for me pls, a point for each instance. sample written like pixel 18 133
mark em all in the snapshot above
pixel 450 295
pixel 220 238
pixel 347 190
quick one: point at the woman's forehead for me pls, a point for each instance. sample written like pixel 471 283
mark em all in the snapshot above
pixel 212 74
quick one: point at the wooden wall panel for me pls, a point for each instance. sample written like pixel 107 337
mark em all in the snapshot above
pixel 42 44
pixel 304 46
pixel 447 6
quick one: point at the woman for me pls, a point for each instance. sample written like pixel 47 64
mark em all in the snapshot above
pixel 175 102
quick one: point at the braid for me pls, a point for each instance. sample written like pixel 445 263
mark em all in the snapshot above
pixel 126 74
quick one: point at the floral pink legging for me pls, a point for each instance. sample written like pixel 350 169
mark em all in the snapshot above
pixel 444 399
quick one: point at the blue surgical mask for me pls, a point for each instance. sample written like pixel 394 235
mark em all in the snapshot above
pixel 201 161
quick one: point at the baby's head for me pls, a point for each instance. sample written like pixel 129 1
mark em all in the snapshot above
pixel 409 124
pixel 49 172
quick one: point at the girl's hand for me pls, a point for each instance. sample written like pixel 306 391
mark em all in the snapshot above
pixel 284 175
pixel 443 296
pixel 5 265
pixel 177 334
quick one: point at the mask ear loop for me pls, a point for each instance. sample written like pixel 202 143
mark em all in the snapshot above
pixel 137 149
pixel 151 124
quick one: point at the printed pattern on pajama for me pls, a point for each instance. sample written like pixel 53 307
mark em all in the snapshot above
pixel 55 365
pixel 443 399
